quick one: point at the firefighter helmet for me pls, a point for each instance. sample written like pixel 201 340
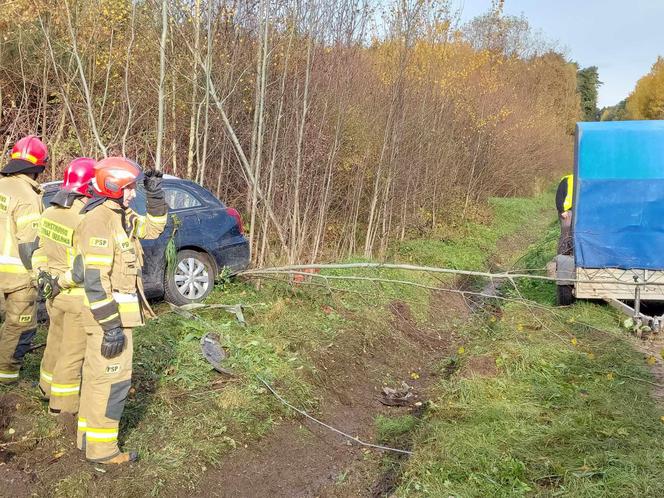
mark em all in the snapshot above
pixel 114 174
pixel 78 175
pixel 29 155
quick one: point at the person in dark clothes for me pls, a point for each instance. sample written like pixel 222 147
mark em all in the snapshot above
pixel 564 197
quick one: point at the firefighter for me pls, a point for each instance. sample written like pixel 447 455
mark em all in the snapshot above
pixel 20 208
pixel 108 242
pixel 61 285
pixel 564 197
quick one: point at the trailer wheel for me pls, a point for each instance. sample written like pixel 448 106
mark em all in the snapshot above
pixel 564 295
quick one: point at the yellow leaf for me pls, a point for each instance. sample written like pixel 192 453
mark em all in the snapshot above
pixel 414 375
pixel 591 356
pixel 609 376
pixel 662 418
pixel 574 341
pixel 461 350
pixel 519 327
pixel 651 360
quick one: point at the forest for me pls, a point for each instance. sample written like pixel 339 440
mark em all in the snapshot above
pixel 336 127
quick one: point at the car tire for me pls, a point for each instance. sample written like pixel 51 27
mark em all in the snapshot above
pixel 193 279
pixel 565 295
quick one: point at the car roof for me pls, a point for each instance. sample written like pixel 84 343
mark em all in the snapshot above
pixel 54 183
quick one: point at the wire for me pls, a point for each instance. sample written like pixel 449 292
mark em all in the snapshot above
pixel 352 438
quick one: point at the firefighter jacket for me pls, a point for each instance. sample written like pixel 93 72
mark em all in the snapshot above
pixel 20 208
pixel 56 253
pixel 109 245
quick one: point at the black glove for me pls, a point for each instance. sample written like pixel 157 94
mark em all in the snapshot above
pixel 113 342
pixel 156 203
pixel 152 179
pixel 47 285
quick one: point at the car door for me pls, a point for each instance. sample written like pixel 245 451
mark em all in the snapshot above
pixel 185 206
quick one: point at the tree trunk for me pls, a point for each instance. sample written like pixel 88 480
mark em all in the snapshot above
pixel 162 78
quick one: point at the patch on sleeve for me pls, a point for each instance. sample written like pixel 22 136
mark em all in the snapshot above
pixel 98 242
pixel 24 318
pixel 4 203
pixel 124 243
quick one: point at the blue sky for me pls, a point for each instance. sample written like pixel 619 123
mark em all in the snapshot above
pixel 621 37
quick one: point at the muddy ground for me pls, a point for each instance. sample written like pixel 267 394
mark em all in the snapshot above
pixel 302 459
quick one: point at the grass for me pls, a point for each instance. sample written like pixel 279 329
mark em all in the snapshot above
pixel 469 246
pixel 183 418
pixel 560 418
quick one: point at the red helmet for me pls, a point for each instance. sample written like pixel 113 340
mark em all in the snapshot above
pixel 29 155
pixel 113 174
pixel 78 175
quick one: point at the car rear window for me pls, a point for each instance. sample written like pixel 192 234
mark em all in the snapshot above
pixel 178 198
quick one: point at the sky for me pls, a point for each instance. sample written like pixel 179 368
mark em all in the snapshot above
pixel 621 37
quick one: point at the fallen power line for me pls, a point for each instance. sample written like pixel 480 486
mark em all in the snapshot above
pixel 306 270
pixel 329 427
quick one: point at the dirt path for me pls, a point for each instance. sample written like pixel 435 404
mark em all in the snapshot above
pixel 300 459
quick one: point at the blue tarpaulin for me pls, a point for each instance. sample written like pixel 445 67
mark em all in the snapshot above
pixel 619 195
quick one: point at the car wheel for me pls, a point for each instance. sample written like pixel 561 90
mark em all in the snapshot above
pixel 564 295
pixel 192 280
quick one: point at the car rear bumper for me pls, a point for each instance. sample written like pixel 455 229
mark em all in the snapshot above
pixel 236 257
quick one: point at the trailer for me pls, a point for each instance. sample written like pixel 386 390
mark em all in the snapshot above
pixel 617 218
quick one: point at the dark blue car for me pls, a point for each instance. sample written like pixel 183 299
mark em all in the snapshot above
pixel 209 239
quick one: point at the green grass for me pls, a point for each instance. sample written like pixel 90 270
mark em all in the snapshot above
pixel 468 246
pixel 560 418
pixel 182 415
pixel 391 430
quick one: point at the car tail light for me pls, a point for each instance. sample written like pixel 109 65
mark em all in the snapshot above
pixel 234 213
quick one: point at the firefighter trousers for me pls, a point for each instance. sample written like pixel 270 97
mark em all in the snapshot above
pixel 60 372
pixel 104 390
pixel 17 331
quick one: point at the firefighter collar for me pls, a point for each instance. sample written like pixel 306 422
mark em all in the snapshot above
pixel 33 183
pixel 66 198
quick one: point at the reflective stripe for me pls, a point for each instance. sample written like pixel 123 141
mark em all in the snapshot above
pixel 37 260
pixel 125 297
pixel 65 389
pixel 8 238
pixel 129 308
pixel 98 259
pixel 28 218
pixel 127 302
pixel 101 435
pixel 82 423
pixel 71 254
pixel 567 205
pixel 74 291
pixel 99 304
pixel 12 269
pixel 141 228
pixel 10 264
pixel 24 155
pixel 10 260
pixel 109 318
pixel 48 377
pixel 5 374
